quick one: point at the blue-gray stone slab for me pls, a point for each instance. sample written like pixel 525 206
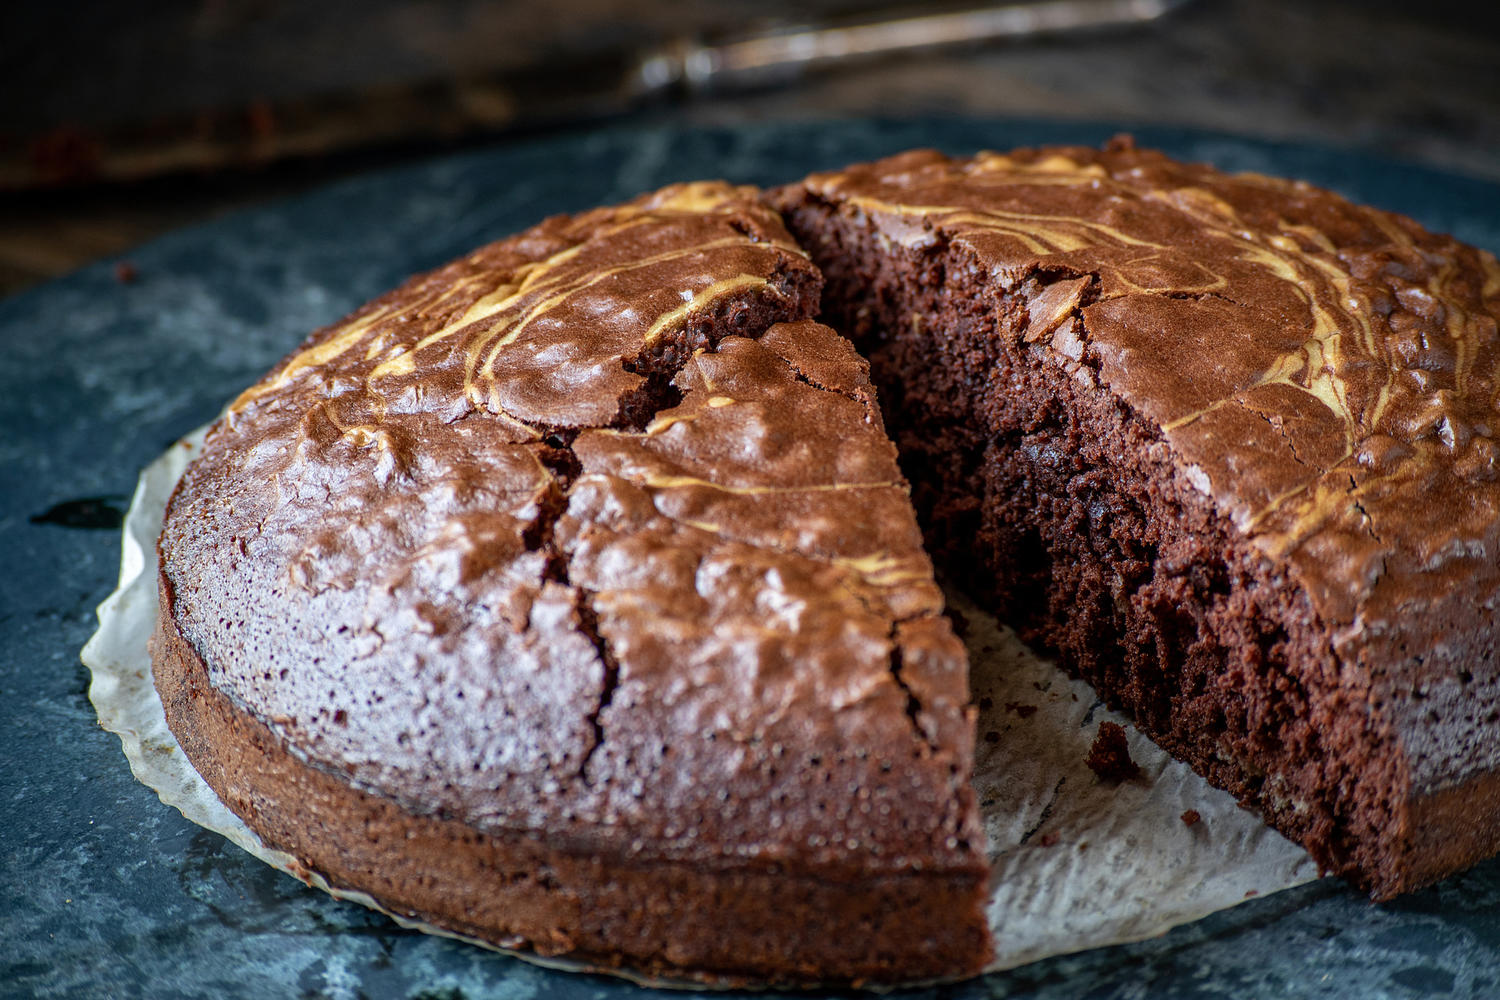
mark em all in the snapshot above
pixel 106 892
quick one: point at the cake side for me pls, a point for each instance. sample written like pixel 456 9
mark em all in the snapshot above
pixel 591 541
pixel 724 925
pixel 1154 392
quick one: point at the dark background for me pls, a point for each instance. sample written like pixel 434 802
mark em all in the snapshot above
pixel 1417 81
pixel 106 892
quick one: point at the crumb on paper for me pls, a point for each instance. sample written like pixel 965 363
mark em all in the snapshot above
pixel 1048 839
pixel 960 622
pixel 1190 817
pixel 1109 757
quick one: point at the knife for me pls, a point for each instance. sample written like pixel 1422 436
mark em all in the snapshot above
pixel 587 90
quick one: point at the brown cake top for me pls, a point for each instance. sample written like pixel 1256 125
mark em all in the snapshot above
pixel 592 532
pixel 1326 373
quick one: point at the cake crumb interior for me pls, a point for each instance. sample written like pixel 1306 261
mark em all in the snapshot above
pixel 1059 509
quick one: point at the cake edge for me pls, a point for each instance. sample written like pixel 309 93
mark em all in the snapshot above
pixel 723 928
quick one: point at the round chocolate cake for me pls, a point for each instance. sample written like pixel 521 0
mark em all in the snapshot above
pixel 571 597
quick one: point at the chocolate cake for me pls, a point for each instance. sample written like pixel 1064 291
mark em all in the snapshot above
pixel 570 597
pixel 1222 444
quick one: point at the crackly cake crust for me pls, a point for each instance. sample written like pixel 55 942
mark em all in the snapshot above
pixel 584 563
pixel 1226 444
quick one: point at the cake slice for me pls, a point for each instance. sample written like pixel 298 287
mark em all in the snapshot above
pixel 1223 444
pixel 570 598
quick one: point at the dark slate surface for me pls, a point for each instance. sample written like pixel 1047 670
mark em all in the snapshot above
pixel 106 892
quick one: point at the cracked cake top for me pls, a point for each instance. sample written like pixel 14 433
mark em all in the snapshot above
pixel 594 532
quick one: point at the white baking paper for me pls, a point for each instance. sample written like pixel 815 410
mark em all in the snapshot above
pixel 1078 863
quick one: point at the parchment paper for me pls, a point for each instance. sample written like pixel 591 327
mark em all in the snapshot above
pixel 1079 863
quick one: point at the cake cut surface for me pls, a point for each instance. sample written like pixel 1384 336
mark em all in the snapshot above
pixel 1227 446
